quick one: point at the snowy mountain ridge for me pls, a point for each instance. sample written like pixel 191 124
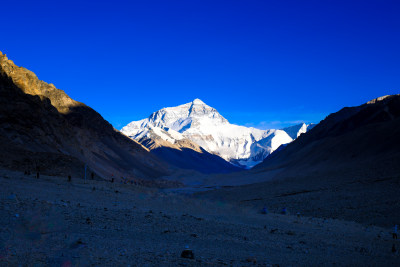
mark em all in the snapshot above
pixel 203 125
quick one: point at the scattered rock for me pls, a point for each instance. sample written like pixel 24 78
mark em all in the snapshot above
pixel 187 254
pixel 363 250
pixel 252 260
pixel 12 197
pixel 264 210
pixel 290 233
pixel 77 244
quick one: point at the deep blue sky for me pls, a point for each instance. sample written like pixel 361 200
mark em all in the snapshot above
pixel 265 63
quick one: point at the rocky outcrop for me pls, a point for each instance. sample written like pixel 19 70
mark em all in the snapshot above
pixel 29 83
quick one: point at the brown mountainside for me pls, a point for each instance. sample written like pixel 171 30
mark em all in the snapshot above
pixel 42 126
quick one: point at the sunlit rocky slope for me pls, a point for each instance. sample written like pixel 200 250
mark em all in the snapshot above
pixel 42 128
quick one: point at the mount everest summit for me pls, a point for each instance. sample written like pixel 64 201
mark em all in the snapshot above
pixel 198 126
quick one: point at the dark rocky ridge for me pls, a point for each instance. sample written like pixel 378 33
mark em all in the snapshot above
pixel 348 167
pixel 41 125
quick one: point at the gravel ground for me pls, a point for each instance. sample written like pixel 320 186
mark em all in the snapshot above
pixel 50 222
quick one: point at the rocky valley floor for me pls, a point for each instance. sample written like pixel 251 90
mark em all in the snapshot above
pixel 51 222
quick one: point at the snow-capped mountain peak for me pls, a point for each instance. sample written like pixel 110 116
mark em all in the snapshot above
pixel 203 125
pixel 197 101
pixel 296 130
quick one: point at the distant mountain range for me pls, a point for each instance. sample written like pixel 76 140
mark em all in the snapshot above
pixel 196 125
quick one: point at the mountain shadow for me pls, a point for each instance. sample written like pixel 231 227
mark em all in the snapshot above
pixel 186 158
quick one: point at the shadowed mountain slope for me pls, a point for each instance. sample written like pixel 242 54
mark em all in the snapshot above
pixel 348 166
pixel 185 154
pixel 41 126
pixel 365 134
